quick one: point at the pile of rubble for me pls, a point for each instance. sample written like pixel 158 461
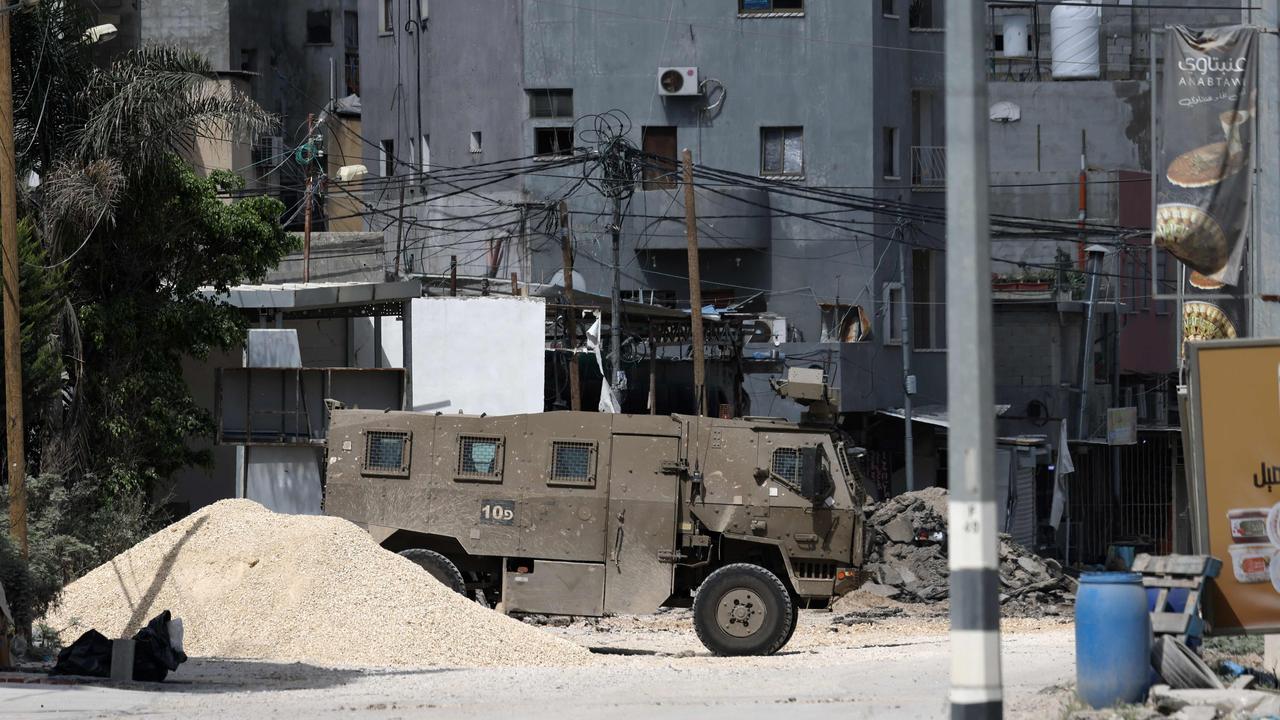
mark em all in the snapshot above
pixel 906 559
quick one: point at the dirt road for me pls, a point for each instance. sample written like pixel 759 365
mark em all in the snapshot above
pixel 647 668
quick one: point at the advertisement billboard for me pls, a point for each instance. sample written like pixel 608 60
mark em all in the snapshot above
pixel 1234 465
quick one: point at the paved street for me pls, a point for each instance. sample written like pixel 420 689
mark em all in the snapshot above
pixel 886 671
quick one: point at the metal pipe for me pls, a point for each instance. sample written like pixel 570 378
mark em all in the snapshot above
pixel 1086 347
pixel 615 306
pixel 908 437
pixel 973 559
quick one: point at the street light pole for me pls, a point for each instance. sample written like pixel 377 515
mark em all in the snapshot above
pixel 973 559
pixel 12 311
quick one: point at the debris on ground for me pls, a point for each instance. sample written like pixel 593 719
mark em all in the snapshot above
pixel 250 583
pixel 157 652
pixel 907 560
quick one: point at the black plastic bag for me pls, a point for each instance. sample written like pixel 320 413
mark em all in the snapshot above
pixel 153 655
pixel 89 655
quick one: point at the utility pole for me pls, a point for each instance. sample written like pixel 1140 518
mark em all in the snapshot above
pixel 973 559
pixel 13 426
pixel 908 437
pixel 695 287
pixel 306 223
pixel 615 306
pixel 571 317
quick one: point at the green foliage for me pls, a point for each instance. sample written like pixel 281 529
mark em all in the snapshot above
pixel 68 532
pixel 143 313
pixel 122 238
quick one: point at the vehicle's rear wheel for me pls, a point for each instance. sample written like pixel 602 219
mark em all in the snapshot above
pixel 743 609
pixel 440 567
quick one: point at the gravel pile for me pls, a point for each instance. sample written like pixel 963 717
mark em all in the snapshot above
pixel 904 565
pixel 250 583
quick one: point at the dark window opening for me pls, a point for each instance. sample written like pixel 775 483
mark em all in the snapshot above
pixel 887 8
pixel 319 27
pixel 924 14
pixel 388 159
pixel 782 151
pixel 550 103
pixel 351 73
pixel 388 17
pixel 553 141
pixel 660 170
pixel 770 6
pixel 351 30
pixel 889 152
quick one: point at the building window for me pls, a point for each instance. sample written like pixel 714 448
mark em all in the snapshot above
pixel 887 8
pixel 843 323
pixel 767 7
pixel 549 142
pixel 782 151
pixel 889 152
pixel 422 9
pixel 351 72
pixel 387 157
pixel 351 55
pixel 573 463
pixel 550 103
pixel 892 306
pixel 319 27
pixel 660 167
pixel 479 458
pixel 928 310
pixel 477 142
pixel 925 15
pixel 386 452
pixel 785 463
pixel 386 17
pixel 249 60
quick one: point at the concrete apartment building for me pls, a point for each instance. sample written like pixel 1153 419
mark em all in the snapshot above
pixel 859 87
pixel 289 55
pixel 813 93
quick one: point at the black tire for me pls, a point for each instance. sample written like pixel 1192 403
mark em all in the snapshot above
pixel 743 609
pixel 440 567
pixel 795 622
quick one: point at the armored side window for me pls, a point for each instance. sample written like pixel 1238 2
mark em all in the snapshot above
pixel 786 464
pixel 479 458
pixel 386 452
pixel 573 462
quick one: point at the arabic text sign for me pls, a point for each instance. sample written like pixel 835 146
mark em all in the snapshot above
pixel 1206 118
pixel 1236 392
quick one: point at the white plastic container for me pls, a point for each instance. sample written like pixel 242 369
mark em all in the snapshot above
pixel 1074 34
pixel 1014 32
pixel 1252 563
pixel 1248 525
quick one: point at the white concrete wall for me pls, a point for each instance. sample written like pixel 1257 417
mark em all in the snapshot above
pixel 477 355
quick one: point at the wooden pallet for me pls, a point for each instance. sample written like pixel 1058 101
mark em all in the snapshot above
pixel 1169 572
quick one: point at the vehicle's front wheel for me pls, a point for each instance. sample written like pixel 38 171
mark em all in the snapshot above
pixel 743 609
pixel 440 567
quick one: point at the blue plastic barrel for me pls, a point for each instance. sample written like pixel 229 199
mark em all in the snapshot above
pixel 1113 639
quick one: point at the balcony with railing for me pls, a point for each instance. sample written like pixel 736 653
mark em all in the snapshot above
pixel 928 166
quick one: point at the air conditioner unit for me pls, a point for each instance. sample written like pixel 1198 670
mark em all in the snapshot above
pixel 678 81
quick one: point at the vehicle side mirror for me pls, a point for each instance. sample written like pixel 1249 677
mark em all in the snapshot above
pixel 815 481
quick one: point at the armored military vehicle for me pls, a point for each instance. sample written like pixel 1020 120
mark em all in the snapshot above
pixel 588 514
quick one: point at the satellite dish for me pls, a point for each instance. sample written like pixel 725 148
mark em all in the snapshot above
pixel 1005 112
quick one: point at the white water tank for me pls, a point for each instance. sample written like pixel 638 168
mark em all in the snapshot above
pixel 1014 33
pixel 1074 32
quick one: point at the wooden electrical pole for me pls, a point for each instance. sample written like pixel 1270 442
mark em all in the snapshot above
pixel 12 311
pixel 306 222
pixel 695 288
pixel 570 320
